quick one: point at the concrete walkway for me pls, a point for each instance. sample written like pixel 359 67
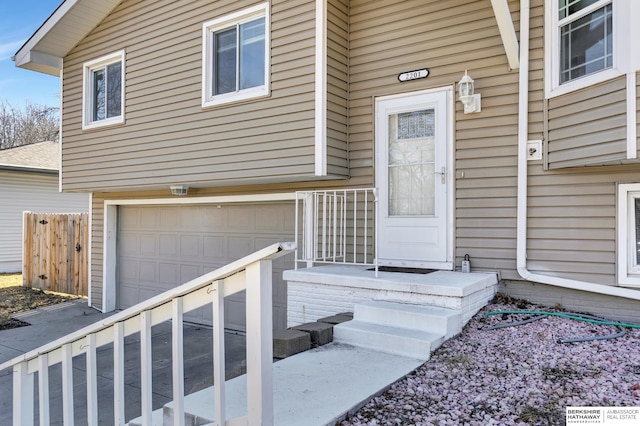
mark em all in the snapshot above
pixel 51 323
pixel 313 388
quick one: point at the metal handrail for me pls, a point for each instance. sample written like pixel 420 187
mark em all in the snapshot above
pixel 337 226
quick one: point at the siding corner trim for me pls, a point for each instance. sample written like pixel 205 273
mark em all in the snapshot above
pixel 321 89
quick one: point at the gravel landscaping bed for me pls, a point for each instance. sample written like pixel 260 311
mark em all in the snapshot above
pixel 517 375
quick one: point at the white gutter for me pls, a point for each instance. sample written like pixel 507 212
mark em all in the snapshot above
pixel 523 135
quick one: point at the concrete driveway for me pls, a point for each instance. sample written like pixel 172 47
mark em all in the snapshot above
pixel 53 322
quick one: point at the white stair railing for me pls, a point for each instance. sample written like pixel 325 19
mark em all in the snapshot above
pixel 252 273
pixel 337 226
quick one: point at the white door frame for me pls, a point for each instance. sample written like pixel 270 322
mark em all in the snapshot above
pixel 109 261
pixel 449 263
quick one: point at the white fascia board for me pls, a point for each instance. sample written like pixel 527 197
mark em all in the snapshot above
pixel 25 55
pixel 40 62
pixel 507 32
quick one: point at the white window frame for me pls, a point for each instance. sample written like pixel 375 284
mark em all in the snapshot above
pixel 628 267
pixel 87 92
pixel 624 57
pixel 218 24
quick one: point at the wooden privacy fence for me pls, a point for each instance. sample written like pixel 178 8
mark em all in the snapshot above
pixel 55 252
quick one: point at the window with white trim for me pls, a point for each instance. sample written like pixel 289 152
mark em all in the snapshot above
pixel 629 234
pixel 103 95
pixel 236 56
pixel 587 42
pixel 586 37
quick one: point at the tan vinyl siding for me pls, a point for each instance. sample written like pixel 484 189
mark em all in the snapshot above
pixel 572 211
pixel 588 126
pixel 337 81
pixel 571 223
pixel 446 37
pixel 168 137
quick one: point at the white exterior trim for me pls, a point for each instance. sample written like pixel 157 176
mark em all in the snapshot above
pixel 632 141
pixel 624 57
pixel 321 89
pixel 209 100
pixel 109 261
pixel 24 54
pixel 449 264
pixel 627 275
pixel 60 134
pixel 87 70
pixel 89 248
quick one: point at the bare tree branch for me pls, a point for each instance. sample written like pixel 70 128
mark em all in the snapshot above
pixel 32 124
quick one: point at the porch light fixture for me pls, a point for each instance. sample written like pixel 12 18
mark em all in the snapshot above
pixel 466 94
pixel 179 189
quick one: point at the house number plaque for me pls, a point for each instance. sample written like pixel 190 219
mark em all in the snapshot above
pixel 413 75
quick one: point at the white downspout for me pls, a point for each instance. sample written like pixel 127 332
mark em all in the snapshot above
pixel 523 135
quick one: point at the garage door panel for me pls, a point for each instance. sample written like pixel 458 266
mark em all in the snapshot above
pixel 237 245
pixel 130 244
pixel 239 219
pixel 190 246
pixel 169 219
pixel 214 218
pixel 189 272
pixel 168 274
pixel 214 249
pixel 160 247
pixel 234 310
pixel 147 272
pixel 167 246
pixel 148 218
pixel 128 294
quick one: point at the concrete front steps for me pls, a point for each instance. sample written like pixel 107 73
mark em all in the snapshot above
pixel 399 319
pixel 402 329
pixel 320 291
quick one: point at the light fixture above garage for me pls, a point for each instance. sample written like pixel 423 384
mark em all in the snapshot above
pixel 179 189
pixel 469 99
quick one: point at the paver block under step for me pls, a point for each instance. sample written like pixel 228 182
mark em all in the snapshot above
pixel 321 333
pixel 416 317
pixel 290 342
pixel 415 344
pixel 337 318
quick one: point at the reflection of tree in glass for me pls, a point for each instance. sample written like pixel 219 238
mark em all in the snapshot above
pixel 107 92
pixel 98 95
pixel 114 89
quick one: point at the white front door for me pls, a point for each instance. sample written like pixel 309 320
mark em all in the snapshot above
pixel 413 179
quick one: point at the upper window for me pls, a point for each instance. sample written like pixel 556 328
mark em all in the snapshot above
pixel 585 43
pixel 586 37
pixel 104 91
pixel 236 56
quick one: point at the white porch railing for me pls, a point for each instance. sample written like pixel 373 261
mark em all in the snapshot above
pixel 337 226
pixel 252 273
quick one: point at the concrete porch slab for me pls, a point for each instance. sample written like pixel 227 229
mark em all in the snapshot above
pixel 322 291
pixel 441 283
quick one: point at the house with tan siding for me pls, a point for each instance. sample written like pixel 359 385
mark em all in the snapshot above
pixel 273 115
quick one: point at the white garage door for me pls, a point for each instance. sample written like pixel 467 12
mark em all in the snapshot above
pixel 161 247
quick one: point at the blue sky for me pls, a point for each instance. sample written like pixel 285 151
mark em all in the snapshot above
pixel 19 19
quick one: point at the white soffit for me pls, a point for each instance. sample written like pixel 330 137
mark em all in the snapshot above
pixel 72 21
pixel 507 32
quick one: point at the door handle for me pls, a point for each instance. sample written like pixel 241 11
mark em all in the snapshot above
pixel 443 175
